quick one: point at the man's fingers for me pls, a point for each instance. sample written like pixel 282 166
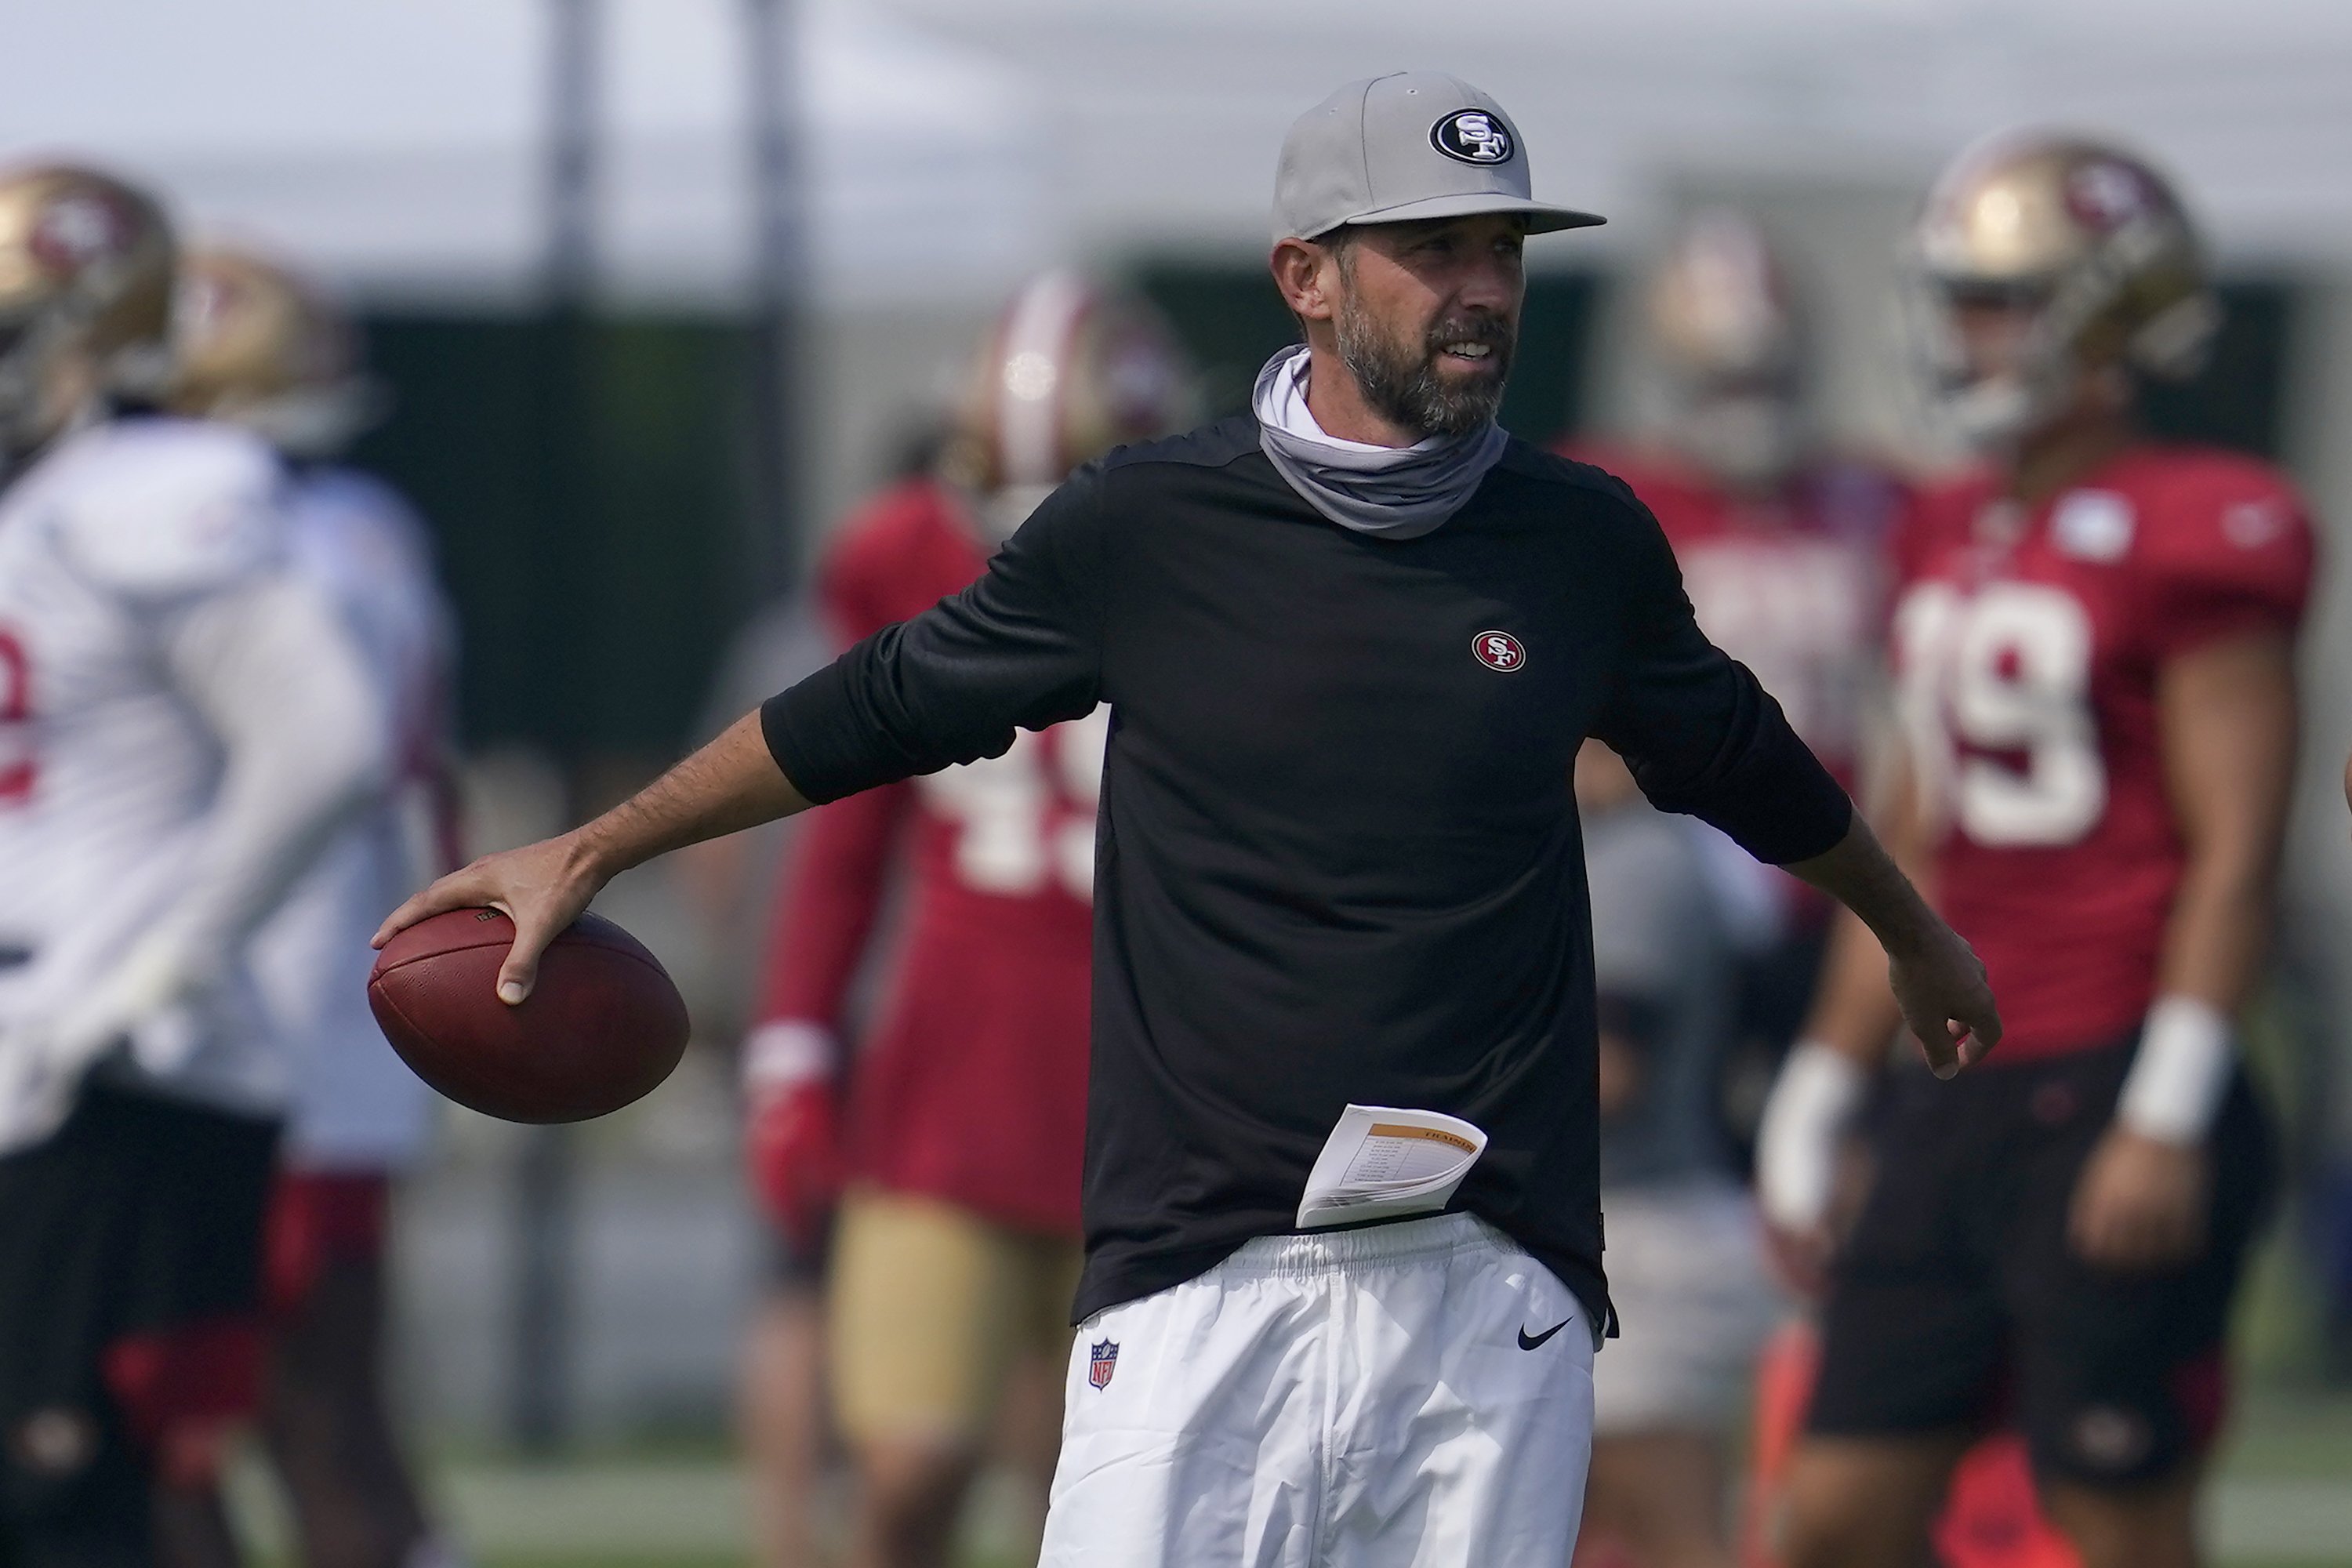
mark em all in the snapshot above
pixel 1984 1024
pixel 454 891
pixel 517 976
pixel 1968 1040
pixel 520 973
pixel 1937 1045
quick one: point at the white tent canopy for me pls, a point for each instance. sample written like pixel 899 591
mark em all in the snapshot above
pixel 953 142
pixel 1169 109
pixel 400 144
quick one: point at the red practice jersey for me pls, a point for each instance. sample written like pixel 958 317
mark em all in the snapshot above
pixel 1793 587
pixel 971 1086
pixel 2027 643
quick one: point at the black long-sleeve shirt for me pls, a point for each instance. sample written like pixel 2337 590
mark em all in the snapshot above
pixel 1338 853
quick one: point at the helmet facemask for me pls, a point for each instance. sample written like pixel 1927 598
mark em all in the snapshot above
pixel 1750 435
pixel 51 383
pixel 1990 407
pixel 29 348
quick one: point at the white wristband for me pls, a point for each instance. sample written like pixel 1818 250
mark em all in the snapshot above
pixel 1818 1090
pixel 786 1053
pixel 2182 1071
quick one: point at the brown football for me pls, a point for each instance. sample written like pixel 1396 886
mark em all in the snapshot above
pixel 602 1026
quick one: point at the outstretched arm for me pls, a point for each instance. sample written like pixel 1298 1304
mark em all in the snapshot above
pixel 1021 648
pixel 730 785
pixel 1703 737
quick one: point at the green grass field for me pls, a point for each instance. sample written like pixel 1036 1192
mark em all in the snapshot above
pixel 2282 1498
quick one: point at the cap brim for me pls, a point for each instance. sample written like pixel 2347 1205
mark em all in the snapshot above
pixel 1542 216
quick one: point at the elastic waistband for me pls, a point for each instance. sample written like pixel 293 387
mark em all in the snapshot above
pixel 1374 1247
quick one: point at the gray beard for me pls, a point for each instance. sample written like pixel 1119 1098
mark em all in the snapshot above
pixel 1401 383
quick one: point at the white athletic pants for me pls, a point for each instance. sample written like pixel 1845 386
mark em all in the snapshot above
pixel 1412 1394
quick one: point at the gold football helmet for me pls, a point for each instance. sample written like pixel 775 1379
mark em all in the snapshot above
pixel 255 343
pixel 1069 371
pixel 85 297
pixel 1725 329
pixel 2087 238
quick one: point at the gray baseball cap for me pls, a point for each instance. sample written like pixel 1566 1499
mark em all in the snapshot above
pixel 1412 145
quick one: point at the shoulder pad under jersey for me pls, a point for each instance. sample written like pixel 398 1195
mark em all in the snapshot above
pixel 164 509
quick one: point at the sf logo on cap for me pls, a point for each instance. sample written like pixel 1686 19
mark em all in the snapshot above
pixel 1472 136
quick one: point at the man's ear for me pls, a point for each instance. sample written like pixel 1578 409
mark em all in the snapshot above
pixel 1302 270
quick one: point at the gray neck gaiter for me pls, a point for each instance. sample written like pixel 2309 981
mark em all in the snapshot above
pixel 1392 492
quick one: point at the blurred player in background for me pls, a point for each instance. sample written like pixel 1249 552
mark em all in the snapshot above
pixel 1686 1265
pixel 1782 547
pixel 730 883
pixel 256 347
pixel 959 1127
pixel 1785 552
pixel 184 722
pixel 2093 639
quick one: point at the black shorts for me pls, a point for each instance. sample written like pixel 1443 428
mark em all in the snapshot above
pixel 1958 1302
pixel 140 1215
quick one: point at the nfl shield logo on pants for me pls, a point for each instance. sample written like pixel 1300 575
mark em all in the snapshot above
pixel 1102 1359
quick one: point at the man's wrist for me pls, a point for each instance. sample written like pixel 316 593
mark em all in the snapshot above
pixel 1906 925
pixel 593 854
pixel 2181 1074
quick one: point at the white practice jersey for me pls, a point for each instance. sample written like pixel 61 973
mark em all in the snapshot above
pixel 356 1106
pixel 107 769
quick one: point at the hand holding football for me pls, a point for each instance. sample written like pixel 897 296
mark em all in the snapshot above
pixel 601 1029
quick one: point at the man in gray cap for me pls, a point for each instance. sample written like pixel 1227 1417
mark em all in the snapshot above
pixel 1343 1278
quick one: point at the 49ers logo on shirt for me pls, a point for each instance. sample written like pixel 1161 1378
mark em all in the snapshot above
pixel 1498 650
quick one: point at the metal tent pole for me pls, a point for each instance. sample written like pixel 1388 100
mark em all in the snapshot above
pixel 545 1188
pixel 778 271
